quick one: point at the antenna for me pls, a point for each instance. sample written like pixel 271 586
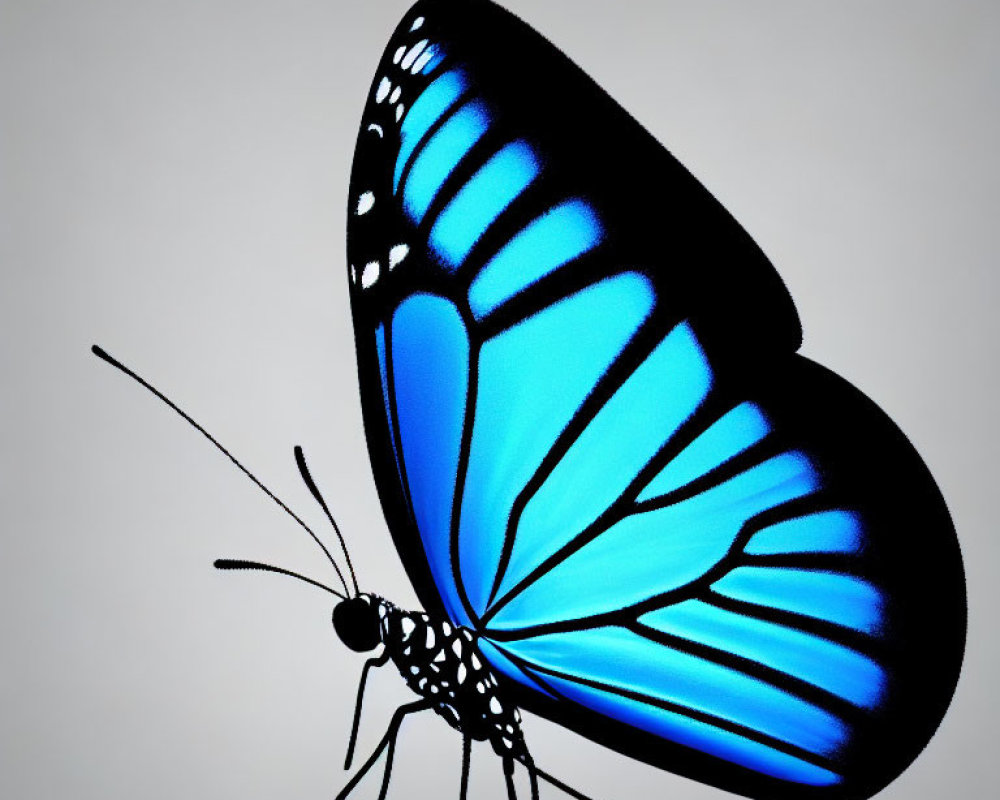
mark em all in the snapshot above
pixel 300 459
pixel 102 354
pixel 239 563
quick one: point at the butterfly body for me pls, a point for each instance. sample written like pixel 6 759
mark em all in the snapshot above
pixel 442 663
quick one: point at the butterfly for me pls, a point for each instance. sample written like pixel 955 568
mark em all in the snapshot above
pixel 625 502
pixel 597 448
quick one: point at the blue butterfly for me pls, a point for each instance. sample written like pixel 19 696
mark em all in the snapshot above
pixel 625 502
pixel 597 449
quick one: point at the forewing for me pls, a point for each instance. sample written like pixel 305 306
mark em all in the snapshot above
pixel 514 238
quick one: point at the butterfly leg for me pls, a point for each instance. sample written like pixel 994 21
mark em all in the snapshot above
pixel 377 661
pixel 529 764
pixel 508 774
pixel 466 760
pixel 540 773
pixel 388 740
pixel 392 734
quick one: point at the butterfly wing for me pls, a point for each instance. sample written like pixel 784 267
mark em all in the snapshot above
pixel 777 587
pixel 595 446
pixel 492 173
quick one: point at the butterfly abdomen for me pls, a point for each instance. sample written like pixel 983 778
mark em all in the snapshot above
pixel 442 662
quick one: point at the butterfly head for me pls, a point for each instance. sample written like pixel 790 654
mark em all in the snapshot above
pixel 357 622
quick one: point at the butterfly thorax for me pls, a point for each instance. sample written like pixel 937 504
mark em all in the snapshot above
pixel 442 663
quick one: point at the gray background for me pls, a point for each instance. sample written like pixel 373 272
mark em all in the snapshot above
pixel 173 184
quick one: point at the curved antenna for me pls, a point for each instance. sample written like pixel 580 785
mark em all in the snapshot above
pixel 239 563
pixel 300 459
pixel 102 354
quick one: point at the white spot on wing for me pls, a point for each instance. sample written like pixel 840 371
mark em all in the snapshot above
pixel 368 278
pixel 417 23
pixel 446 629
pixel 354 274
pixel 476 663
pixel 400 108
pixel 383 90
pixel 440 657
pixel 415 51
pixel 395 94
pixel 397 254
pixel 460 677
pixel 408 625
pixel 421 62
pixel 399 54
pixel 457 647
pixel 365 203
pixel 495 706
pixel 377 129
pixel 430 638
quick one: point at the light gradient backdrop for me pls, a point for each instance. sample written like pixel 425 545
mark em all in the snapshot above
pixel 173 180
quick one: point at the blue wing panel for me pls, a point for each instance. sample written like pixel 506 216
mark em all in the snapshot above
pixel 442 153
pixel 624 660
pixel 733 433
pixel 828 665
pixel 651 553
pixel 502 663
pixel 631 427
pixel 841 599
pixel 559 235
pixel 696 734
pixel 430 363
pixel 428 108
pixel 835 531
pixel 480 201
pixel 568 346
